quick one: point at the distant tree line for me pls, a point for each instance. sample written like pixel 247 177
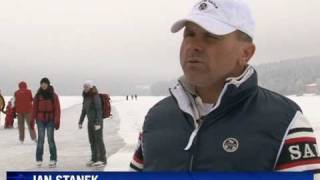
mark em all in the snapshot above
pixel 290 77
pixel 285 77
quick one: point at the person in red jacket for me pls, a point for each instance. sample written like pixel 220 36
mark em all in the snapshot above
pixel 46 113
pixel 10 115
pixel 23 106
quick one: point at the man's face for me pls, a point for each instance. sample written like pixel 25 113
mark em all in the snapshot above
pixel 208 59
pixel 86 88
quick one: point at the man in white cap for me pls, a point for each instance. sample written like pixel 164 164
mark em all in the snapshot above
pixel 92 108
pixel 217 117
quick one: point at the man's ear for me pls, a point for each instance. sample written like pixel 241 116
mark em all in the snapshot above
pixel 247 52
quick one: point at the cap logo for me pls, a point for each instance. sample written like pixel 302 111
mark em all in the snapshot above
pixel 203 6
pixel 230 145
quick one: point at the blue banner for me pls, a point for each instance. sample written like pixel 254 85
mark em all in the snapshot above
pixel 155 176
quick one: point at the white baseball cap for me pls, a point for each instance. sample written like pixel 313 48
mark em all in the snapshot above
pixel 220 17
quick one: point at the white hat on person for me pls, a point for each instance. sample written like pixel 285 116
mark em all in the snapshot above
pixel 220 17
pixel 88 83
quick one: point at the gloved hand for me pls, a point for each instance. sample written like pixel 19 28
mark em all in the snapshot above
pixel 97 127
pixel 80 126
pixel 56 125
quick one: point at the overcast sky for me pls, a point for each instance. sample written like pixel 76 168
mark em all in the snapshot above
pixel 125 39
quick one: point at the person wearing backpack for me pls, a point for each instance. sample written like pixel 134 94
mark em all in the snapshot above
pixel 46 112
pixel 92 108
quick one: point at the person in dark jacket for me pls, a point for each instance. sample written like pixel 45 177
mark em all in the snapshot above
pixel 217 117
pixel 23 105
pixel 92 108
pixel 46 113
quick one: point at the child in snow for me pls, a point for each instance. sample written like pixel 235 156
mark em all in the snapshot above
pixel 10 115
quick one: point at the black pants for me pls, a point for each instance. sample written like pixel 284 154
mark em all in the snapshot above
pixel 98 150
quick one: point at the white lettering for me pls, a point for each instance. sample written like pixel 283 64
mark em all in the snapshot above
pixel 66 177
pixel 317 150
pixel 294 152
pixel 74 177
pixel 44 177
pixel 308 152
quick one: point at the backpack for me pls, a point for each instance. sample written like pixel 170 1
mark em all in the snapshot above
pixel 106 106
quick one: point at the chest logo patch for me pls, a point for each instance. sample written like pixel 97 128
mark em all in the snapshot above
pixel 230 145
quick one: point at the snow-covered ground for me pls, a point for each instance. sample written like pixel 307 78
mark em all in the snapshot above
pixel 310 105
pixel 121 133
pixel 131 114
pixel 72 143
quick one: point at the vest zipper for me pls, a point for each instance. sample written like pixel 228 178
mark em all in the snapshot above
pixel 191 163
pixel 194 145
